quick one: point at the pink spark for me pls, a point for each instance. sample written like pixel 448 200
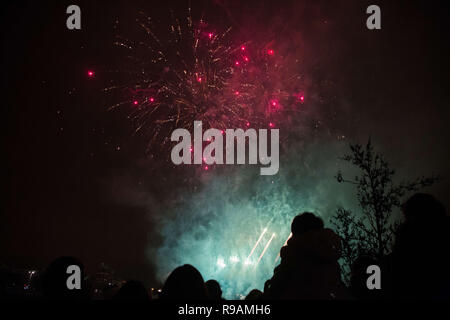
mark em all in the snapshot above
pixel 274 103
pixel 206 167
pixel 221 131
pixel 246 59
pixel 199 79
pixel 90 73
pixel 270 52
pixel 210 35
pixel 236 63
pixel 236 93
pixel 271 124
pixel 243 48
pixel 151 99
pixel 248 124
pixel 300 97
pixel 135 102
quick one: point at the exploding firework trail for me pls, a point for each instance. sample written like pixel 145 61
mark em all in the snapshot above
pixel 256 244
pixel 192 72
pixel 259 239
pixel 265 249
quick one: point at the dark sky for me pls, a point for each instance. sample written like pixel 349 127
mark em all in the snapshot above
pixel 61 146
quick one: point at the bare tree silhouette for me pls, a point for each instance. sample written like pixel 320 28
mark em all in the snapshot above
pixel 372 231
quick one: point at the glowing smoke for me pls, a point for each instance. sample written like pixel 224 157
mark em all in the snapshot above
pixel 215 222
pixel 216 227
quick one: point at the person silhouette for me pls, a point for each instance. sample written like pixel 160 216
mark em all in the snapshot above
pixel 254 294
pixel 308 267
pixel 420 263
pixel 358 278
pixel 184 283
pixel 214 290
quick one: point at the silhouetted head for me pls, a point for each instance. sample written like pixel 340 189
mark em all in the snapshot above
pixel 56 277
pixel 423 206
pixel 184 283
pixel 305 222
pixel 132 290
pixel 214 290
pixel 255 294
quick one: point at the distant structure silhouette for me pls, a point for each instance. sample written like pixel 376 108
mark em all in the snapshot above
pixel 132 290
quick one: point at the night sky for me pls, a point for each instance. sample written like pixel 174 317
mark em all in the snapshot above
pixel 78 182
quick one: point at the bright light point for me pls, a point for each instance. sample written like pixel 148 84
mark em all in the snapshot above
pixel 234 259
pixel 248 124
pixel 246 58
pixel 236 93
pixel 300 97
pixel 135 102
pixel 243 48
pixel 270 52
pixel 206 168
pixel 271 124
pixel 210 35
pixel 151 99
pixel 221 131
pixel 221 263
pixel 236 63
pixel 199 79
pixel 90 73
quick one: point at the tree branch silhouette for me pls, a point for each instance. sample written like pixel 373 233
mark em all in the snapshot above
pixel 372 231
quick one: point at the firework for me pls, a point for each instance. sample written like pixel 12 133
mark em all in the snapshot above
pixel 256 244
pixel 190 71
pixel 285 243
pixel 265 249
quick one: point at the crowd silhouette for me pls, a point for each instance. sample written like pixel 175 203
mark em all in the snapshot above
pixel 417 267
